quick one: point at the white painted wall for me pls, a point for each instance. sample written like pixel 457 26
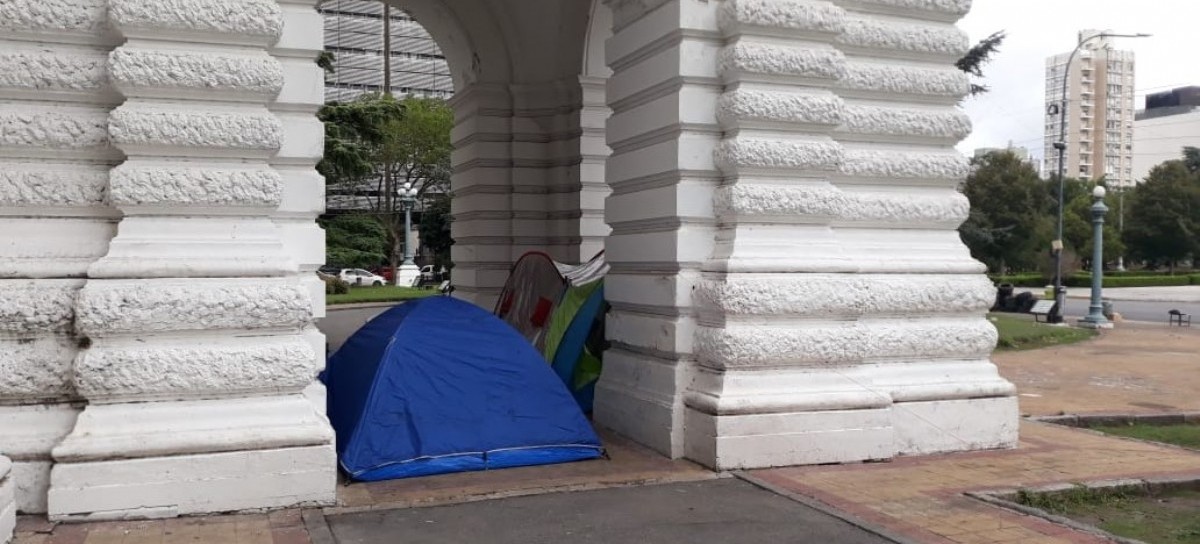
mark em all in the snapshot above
pixel 1162 139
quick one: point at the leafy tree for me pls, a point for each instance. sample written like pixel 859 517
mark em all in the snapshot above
pixel 354 241
pixel 326 61
pixel 1191 159
pixel 415 152
pixel 375 146
pixel 979 55
pixel 353 137
pixel 435 229
pixel 1009 224
pixel 1163 222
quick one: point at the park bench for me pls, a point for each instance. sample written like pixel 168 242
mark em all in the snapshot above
pixel 1041 308
pixel 1176 317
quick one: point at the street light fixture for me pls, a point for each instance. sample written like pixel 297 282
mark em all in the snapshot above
pixel 408 272
pixel 1095 318
pixel 1060 293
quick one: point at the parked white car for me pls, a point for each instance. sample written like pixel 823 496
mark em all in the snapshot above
pixel 358 276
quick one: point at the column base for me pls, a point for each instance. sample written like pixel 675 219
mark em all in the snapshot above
pixel 406 274
pixel 640 397
pixel 1101 323
pixel 944 426
pixel 735 442
pixel 8 502
pixel 164 487
pixel 30 433
pixel 165 459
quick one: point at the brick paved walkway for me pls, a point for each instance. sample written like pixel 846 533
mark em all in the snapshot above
pixel 1134 368
pixel 283 527
pixel 922 497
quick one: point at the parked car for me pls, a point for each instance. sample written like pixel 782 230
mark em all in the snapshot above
pixel 385 271
pixel 358 276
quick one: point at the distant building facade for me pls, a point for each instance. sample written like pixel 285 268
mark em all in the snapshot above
pixel 1170 122
pixel 1099 114
pixel 1020 152
pixel 354 35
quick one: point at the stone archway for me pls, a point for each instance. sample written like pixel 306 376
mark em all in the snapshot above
pixel 787 284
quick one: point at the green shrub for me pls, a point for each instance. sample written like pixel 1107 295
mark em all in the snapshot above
pixel 335 286
pixel 1194 279
pixel 1085 280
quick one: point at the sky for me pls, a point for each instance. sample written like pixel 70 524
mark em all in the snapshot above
pixel 1014 109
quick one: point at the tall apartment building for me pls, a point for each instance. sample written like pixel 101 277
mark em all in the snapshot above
pixel 354 34
pixel 1170 122
pixel 1099 131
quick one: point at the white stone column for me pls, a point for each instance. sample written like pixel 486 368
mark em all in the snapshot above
pixel 546 161
pixel 925 298
pixel 662 134
pixel 195 316
pixel 302 189
pixel 482 185
pixel 8 501
pixel 842 319
pixel 594 151
pixel 54 221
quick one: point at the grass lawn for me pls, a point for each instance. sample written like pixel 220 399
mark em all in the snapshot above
pixel 386 293
pixel 1184 434
pixel 1168 517
pixel 1019 333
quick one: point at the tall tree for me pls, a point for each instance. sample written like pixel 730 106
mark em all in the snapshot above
pixel 354 241
pixel 377 145
pixel 415 153
pixel 1163 223
pixel 979 55
pixel 1191 158
pixel 1009 223
pixel 435 228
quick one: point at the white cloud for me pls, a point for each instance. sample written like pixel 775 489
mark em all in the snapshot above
pixel 1014 110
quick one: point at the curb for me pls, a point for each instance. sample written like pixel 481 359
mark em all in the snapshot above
pixel 1109 419
pixel 362 305
pixel 997 498
pixel 819 506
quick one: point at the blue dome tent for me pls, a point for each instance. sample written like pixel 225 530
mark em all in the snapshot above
pixel 439 385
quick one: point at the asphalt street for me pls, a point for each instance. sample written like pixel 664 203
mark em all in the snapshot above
pixel 725 511
pixel 1155 312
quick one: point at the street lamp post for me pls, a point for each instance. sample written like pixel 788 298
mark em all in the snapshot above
pixel 1121 223
pixel 1060 293
pixel 1095 318
pixel 408 271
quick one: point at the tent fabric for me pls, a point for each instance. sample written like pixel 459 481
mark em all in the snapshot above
pixel 439 385
pixel 559 313
pixel 530 294
pixel 581 307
